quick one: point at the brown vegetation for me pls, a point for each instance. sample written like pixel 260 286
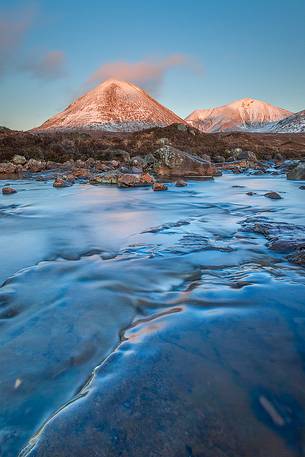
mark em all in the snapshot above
pixel 62 146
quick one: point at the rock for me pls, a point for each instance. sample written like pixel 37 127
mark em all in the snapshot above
pixel 298 257
pixel 130 180
pixel 69 178
pixel 298 172
pixel 35 166
pixel 69 164
pixel 181 183
pixel 90 163
pixel 250 193
pixel 19 160
pixel 62 182
pixel 164 141
pixel 286 245
pixel 170 161
pixel 245 155
pixel 219 159
pixel 148 160
pixel 137 161
pixel 7 168
pixel 107 178
pixel 115 163
pixel 8 190
pixel 158 186
pixel 124 170
pixel 101 166
pixel 182 127
pixel 82 173
pixel 273 195
pixel 80 163
pixel 282 236
pixel 302 187
pixel 136 170
pixel 50 165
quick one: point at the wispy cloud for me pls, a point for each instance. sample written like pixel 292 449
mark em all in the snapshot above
pixel 48 66
pixel 148 73
pixel 13 26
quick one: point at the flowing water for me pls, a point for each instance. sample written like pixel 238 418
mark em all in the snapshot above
pixel 140 324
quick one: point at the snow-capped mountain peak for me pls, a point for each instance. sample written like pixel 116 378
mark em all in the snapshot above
pixel 115 106
pixel 245 114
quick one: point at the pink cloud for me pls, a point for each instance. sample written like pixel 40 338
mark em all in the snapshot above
pixel 49 66
pixel 146 73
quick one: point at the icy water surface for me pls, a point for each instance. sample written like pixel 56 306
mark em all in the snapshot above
pixel 141 324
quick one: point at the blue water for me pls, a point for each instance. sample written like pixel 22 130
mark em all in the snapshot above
pixel 194 327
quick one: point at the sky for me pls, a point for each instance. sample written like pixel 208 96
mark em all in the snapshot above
pixel 188 55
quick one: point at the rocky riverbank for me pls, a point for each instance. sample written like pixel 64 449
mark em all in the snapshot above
pixel 63 146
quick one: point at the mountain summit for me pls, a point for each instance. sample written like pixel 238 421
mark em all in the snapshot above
pixel 245 114
pixel 114 106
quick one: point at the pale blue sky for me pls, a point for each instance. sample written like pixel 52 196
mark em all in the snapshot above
pixel 228 50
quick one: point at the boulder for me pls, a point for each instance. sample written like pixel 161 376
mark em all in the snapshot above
pixel 245 155
pixel 35 166
pixel 80 163
pixel 273 195
pixel 115 163
pixel 81 173
pixel 8 190
pixel 181 183
pixel 135 180
pixel 298 172
pixel 101 166
pixel 50 165
pixel 62 182
pixel 7 168
pixel 170 161
pixel 68 164
pixel 107 178
pixel 136 170
pixel 182 127
pixel 159 186
pixel 19 160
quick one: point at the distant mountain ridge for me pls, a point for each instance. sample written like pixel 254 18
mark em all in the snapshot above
pixel 247 114
pixel 113 106
pixel 292 124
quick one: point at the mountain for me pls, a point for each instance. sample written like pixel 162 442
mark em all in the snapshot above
pixel 113 106
pixel 246 114
pixel 292 124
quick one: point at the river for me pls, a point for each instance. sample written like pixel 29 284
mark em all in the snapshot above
pixel 141 324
